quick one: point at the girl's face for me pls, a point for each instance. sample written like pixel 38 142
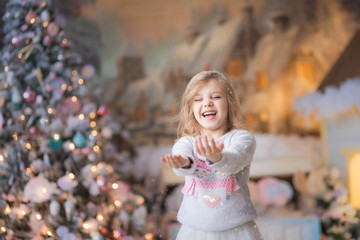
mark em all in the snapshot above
pixel 210 108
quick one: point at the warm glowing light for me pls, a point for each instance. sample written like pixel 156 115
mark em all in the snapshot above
pixel 1 158
pixel 71 146
pixel 43 190
pixel 28 146
pixel 45 24
pixel 92 115
pixel 20 55
pixel 56 136
pixel 353 109
pixel 38 216
pixel 149 236
pixel 63 87
pixel 115 186
pixel 32 21
pixel 22 212
pixel 96 148
pixel 93 124
pixel 71 176
pixel 262 80
pixel 140 201
pixel 86 226
pixel 15 136
pixel 74 99
pixel 264 116
pixel 117 203
pixel 354 179
pixel 7 210
pixel 94 133
pixel 22 117
pixel 109 169
pixel 305 70
pixel 50 110
pixel 6 68
pixel 64 41
pixel 99 217
pixel 81 81
pixel 3 229
pixel 249 119
pixel 49 233
pixel 81 116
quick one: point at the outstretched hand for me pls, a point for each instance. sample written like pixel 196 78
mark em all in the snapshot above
pixel 176 161
pixel 208 148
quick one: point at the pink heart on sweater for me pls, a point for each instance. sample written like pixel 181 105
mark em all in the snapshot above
pixel 212 200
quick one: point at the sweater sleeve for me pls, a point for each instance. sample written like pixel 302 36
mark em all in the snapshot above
pixel 184 147
pixel 238 154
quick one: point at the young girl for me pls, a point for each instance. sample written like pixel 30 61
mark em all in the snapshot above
pixel 214 155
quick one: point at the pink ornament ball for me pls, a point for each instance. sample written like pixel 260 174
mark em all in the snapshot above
pixel 29 96
pixel 53 29
pixel 47 40
pixel 33 130
pixel 15 41
pixel 88 71
pixel 28 111
pixel 71 106
pixel 30 18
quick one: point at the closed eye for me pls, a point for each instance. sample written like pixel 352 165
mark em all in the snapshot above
pixel 197 100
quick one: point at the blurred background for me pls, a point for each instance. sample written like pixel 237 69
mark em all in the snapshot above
pixel 295 67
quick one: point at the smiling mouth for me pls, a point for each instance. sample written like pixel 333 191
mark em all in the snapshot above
pixel 208 114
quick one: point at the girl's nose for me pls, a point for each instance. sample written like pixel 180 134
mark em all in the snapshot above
pixel 208 103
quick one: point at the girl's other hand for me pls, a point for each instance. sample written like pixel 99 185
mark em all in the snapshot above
pixel 208 148
pixel 176 161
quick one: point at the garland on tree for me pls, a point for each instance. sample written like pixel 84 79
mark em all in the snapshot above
pixel 60 174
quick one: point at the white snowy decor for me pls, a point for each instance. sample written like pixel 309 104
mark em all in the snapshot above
pixel 332 102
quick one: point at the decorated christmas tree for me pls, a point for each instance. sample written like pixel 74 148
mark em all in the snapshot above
pixel 61 174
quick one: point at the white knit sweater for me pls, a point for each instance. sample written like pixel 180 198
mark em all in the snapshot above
pixel 216 195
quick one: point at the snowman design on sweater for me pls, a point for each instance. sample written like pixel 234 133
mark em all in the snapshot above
pixel 210 179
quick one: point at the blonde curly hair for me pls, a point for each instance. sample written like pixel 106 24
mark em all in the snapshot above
pixel 188 126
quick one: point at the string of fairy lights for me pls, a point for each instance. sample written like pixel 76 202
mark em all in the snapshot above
pixel 39 133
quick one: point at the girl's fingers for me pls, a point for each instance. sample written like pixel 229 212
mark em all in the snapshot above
pixel 182 161
pixel 176 161
pixel 172 163
pixel 198 146
pixel 220 146
pixel 213 144
pixel 206 145
pixel 201 145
